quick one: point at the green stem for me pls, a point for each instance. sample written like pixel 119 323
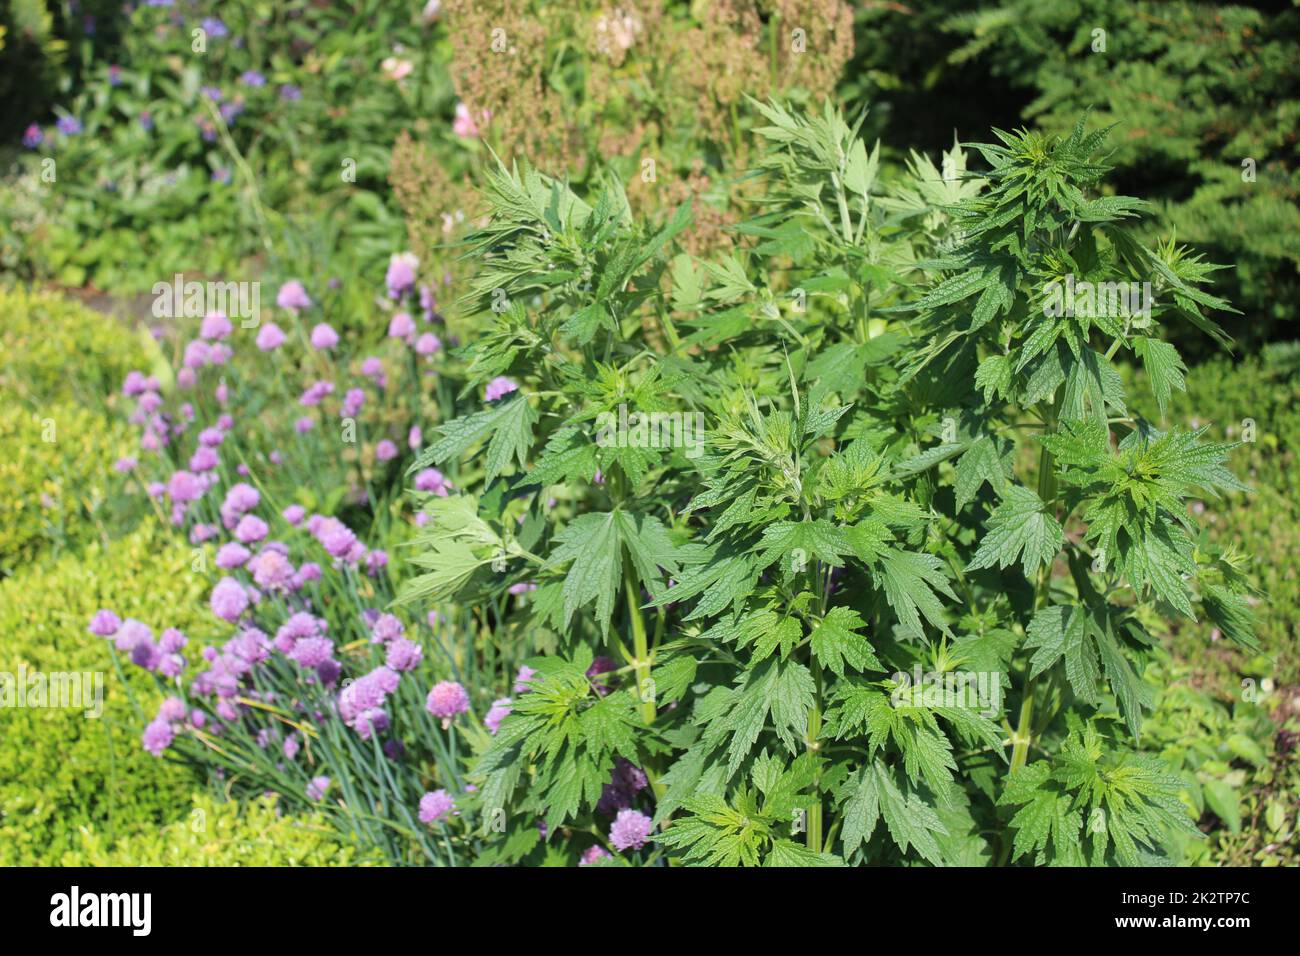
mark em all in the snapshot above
pixel 814 731
pixel 640 645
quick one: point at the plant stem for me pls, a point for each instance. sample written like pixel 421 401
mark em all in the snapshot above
pixel 640 646
pixel 814 731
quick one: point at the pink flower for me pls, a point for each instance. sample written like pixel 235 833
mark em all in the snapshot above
pixel 396 69
pixel 270 337
pixel 215 326
pixel 446 700
pixel 324 337
pixel 498 712
pixel 292 296
pixel 427 344
pixel 592 854
pixel 385 451
pixel 630 830
pixel 436 805
pixel 498 387
pixel 400 277
pixel 463 125
pixel 401 326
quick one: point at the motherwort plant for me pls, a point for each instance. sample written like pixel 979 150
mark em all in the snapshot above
pixel 909 467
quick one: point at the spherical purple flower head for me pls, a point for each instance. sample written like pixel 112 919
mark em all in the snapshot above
pixel 427 344
pixel 158 736
pixel 213 27
pixel 601 665
pixel 304 425
pixel 220 354
pixel 307 572
pixel 150 402
pixel 299 626
pixel 134 384
pixel 33 137
pixel 446 700
pixel 290 748
pixel 290 92
pixel 498 712
pixel 202 532
pixel 385 629
pixel 69 125
pixel 594 854
pixel 196 354
pixel 385 451
pixel 317 787
pixel 272 570
pixel 251 529
pixel 414 438
pixel 293 514
pixel 314 393
pixel 431 479
pixel 215 326
pixel 131 633
pixel 401 326
pixel 172 710
pixel 184 487
pixel 232 555
pixel 400 277
pixel 211 92
pixel 270 337
pixel 337 538
pixel 204 460
pixel 105 623
pixel 171 665
pixel 376 561
pixel 524 678
pixel 292 296
pixel 630 830
pixel 229 600
pixel 252 78
pixel 240 499
pixel 310 652
pixel 352 402
pixel 212 437
pixel 172 640
pixel 436 805
pixel 499 387
pixel 323 337
pixel 404 655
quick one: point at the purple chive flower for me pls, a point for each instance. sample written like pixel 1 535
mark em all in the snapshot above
pixel 498 387
pixel 32 136
pixel 69 125
pixel 522 587
pixel 304 424
pixel 404 655
pixel 204 460
pixel 376 561
pixel 317 787
pixel 498 712
pixel 293 514
pixel 172 710
pixel 324 337
pixel 229 600
pixel 270 337
pixel 172 640
pixel 131 633
pixel 158 736
pixel 630 830
pixel 385 629
pixel 290 746
pixel 232 555
pixel 271 571
pixel 215 326
pixel 214 27
pixel 400 277
pixel 184 487
pixel 290 92
pixel 446 700
pixel 401 326
pixel 146 654
pixel 592 854
pixel 252 78
pixel 427 344
pixel 431 479
pixel 523 679
pixel 414 438
pixel 105 623
pixel 436 805
pixel 315 393
pixel 337 538
pixel 292 296
pixel 251 529
pixel 352 402
pixel 385 451
pixel 312 652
